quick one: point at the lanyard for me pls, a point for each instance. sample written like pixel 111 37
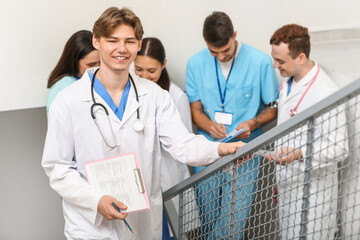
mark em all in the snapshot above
pixel 289 86
pixel 293 111
pixel 218 81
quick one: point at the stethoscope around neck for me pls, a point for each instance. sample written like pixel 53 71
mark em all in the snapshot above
pixel 293 111
pixel 138 125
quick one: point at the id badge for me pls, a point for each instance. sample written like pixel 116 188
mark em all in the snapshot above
pixel 223 117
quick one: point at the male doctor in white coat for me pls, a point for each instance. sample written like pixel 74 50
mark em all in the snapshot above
pixel 307 84
pixel 73 138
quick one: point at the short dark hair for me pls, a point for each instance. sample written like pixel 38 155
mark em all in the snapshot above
pixel 152 47
pixel 296 36
pixel 76 48
pixel 113 17
pixel 218 29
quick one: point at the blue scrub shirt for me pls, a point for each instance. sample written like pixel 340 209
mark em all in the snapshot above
pixel 58 87
pixel 251 85
pixel 100 89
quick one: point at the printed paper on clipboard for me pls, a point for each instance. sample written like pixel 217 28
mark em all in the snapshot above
pixel 120 177
pixel 231 135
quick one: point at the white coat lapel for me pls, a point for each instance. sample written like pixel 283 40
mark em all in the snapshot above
pixel 301 86
pixel 132 104
pixel 293 93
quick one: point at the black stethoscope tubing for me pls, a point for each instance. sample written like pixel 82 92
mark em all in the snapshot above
pixel 138 125
pixel 101 105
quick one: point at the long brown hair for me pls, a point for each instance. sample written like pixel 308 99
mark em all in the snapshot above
pixel 152 47
pixel 76 48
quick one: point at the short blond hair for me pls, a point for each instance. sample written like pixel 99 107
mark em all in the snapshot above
pixel 113 17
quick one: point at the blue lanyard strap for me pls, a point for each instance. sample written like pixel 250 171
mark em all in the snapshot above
pixel 289 86
pixel 218 81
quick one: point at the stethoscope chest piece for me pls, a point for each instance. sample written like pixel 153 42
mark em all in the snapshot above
pixel 292 112
pixel 138 125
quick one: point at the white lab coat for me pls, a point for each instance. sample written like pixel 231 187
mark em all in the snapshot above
pixel 330 146
pixel 349 203
pixel 172 171
pixel 73 140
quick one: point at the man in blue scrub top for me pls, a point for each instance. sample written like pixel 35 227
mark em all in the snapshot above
pixel 230 86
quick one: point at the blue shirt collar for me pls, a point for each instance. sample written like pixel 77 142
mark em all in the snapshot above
pixel 100 89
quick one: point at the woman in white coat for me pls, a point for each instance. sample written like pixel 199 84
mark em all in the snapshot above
pixel 150 63
pixel 73 137
pixel 308 84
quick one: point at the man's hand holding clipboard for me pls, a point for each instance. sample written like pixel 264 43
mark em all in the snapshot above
pixel 119 177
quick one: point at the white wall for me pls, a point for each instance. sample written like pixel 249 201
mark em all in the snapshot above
pixel 33 33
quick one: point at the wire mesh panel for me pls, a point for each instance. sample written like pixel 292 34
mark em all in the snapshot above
pixel 306 173
pixel 299 182
pixel 223 201
pixel 348 215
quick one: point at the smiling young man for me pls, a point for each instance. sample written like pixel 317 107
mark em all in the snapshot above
pixel 74 138
pixel 307 85
pixel 230 86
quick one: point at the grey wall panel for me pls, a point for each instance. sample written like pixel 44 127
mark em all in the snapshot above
pixel 30 209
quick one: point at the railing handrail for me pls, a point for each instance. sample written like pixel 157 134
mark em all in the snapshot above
pixel 322 106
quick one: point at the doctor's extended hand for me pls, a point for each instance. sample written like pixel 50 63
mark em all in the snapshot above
pixel 217 130
pixel 106 208
pixel 285 155
pixel 229 148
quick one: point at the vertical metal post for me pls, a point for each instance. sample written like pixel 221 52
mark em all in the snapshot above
pixel 181 202
pixel 172 217
pixel 307 179
pixel 234 179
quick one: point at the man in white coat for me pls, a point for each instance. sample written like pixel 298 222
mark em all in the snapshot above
pixel 307 84
pixel 74 138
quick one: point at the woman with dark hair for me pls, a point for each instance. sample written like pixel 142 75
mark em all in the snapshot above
pixel 150 64
pixel 78 55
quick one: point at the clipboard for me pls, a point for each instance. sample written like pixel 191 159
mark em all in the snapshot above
pixel 120 177
pixel 231 135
